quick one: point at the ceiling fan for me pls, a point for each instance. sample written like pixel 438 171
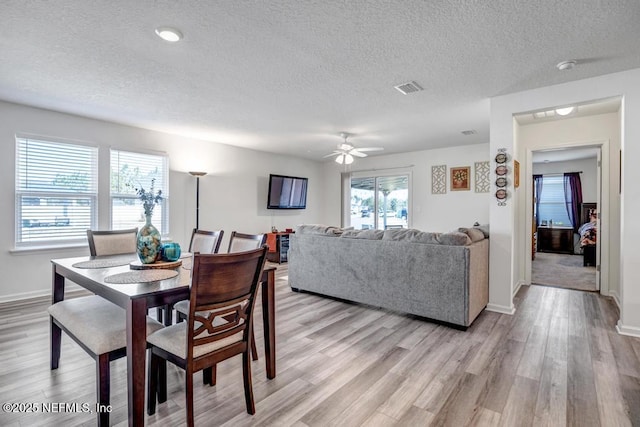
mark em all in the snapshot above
pixel 345 152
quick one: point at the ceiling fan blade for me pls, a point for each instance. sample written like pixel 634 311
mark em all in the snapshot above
pixel 357 153
pixel 370 149
pixel 333 154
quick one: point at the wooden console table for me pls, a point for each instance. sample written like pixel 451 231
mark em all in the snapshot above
pixel 555 239
pixel 278 246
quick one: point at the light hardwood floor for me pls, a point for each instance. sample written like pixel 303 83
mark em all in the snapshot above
pixel 558 361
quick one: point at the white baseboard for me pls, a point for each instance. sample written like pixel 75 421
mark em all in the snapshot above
pixel 501 309
pixel 34 296
pixel 616 298
pixel 518 286
pixel 631 331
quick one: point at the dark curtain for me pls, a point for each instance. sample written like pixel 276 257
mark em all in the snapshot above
pixel 573 197
pixel 537 184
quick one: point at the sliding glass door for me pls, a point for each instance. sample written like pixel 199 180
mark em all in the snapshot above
pixel 379 202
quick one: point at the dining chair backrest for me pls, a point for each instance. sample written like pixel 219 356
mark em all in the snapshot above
pixel 113 242
pixel 205 242
pixel 240 242
pixel 223 289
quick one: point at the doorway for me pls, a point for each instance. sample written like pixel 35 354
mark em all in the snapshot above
pixel 566 194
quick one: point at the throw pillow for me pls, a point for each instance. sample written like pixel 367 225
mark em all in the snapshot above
pixel 484 228
pixel 454 238
pixel 474 234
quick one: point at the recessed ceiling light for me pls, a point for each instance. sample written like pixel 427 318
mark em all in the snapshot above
pixel 566 65
pixel 169 34
pixel 564 111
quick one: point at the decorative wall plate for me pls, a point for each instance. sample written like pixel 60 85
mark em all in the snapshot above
pixel 501 181
pixel 501 170
pixel 501 194
pixel 501 158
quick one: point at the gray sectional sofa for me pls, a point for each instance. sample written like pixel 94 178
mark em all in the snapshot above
pixel 440 276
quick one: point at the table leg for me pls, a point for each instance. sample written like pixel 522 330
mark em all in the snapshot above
pixel 57 294
pixel 136 347
pixel 269 321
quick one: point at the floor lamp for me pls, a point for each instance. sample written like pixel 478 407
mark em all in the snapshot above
pixel 197 175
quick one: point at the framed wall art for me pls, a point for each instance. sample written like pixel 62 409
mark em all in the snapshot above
pixel 461 178
pixel 482 183
pixel 439 179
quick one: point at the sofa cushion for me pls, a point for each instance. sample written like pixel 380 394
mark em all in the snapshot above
pixel 484 228
pixel 363 234
pixel 325 230
pixel 412 235
pixel 454 238
pixel 474 234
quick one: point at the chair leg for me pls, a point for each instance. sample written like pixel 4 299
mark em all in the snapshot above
pixel 56 342
pixel 162 380
pixel 248 388
pixel 254 349
pixel 209 375
pixel 159 314
pixel 180 317
pixel 152 385
pixel 168 315
pixel 189 396
pixel 103 388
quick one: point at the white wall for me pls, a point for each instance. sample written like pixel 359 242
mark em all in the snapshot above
pixel 603 128
pixel 232 197
pixel 504 252
pixel 431 212
pixel 588 176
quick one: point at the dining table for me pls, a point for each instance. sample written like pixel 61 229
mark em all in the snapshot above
pixel 115 279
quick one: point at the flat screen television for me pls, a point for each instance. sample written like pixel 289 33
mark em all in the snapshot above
pixel 287 192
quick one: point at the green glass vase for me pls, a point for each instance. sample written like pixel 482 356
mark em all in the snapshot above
pixel 149 244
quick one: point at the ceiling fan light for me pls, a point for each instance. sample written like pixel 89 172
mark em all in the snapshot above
pixel 564 111
pixel 348 159
pixel 340 159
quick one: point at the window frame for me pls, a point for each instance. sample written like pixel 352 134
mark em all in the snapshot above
pixel 20 244
pixel 163 206
pixel 375 175
pixel 564 221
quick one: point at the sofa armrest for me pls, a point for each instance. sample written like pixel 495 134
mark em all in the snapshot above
pixel 478 278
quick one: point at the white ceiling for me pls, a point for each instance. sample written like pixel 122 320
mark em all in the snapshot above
pixel 288 76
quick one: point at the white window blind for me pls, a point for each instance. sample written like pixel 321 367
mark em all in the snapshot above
pixel 552 202
pixel 56 192
pixel 131 171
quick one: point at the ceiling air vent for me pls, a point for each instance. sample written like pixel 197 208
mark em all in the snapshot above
pixel 469 132
pixel 410 87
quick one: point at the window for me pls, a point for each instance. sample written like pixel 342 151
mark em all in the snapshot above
pixel 130 171
pixel 552 202
pixel 56 192
pixel 379 202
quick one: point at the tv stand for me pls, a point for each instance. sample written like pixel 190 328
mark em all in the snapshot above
pixel 278 247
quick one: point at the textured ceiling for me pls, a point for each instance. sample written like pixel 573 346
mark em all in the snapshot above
pixel 288 76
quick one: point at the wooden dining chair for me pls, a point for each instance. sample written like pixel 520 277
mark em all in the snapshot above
pixel 219 325
pixel 204 242
pixel 113 242
pixel 240 242
pixel 97 325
